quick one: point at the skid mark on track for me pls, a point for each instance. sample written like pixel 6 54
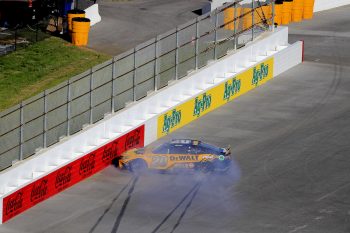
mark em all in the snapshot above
pixel 109 207
pixel 125 204
pixel 194 190
pixel 284 134
pixel 297 229
pixel 333 192
pixel 185 210
pixel 307 121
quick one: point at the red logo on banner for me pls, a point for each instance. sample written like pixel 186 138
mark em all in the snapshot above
pixel 110 152
pixel 39 190
pixel 132 139
pixel 63 178
pixel 87 165
pixel 69 175
pixel 14 204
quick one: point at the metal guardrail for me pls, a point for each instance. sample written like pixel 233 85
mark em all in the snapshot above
pixel 64 110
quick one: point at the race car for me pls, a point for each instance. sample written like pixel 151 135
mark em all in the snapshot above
pixel 178 154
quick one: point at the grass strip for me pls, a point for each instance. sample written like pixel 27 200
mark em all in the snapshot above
pixel 27 72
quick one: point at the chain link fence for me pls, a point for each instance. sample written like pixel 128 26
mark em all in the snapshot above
pixel 20 37
pixel 44 119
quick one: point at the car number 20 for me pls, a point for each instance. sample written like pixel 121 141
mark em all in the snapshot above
pixel 159 161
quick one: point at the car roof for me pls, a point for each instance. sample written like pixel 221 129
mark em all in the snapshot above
pixel 185 142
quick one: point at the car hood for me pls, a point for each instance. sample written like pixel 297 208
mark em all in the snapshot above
pixel 138 151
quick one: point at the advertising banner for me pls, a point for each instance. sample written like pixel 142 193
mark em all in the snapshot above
pixel 70 174
pixel 214 97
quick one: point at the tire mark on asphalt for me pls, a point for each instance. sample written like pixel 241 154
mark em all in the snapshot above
pixel 185 210
pixel 307 121
pixel 284 134
pixel 176 207
pixel 109 207
pixel 333 192
pixel 333 88
pixel 125 204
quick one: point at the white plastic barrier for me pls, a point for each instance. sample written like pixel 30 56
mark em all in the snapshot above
pixel 93 14
pixel 288 58
pixel 321 5
pixel 83 154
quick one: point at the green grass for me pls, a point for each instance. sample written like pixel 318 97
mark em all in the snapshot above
pixel 40 66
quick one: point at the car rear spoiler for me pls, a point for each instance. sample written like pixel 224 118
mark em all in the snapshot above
pixel 227 150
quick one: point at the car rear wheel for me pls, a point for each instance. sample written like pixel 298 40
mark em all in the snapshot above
pixel 115 162
pixel 138 165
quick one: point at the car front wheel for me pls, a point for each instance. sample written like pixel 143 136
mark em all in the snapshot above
pixel 138 165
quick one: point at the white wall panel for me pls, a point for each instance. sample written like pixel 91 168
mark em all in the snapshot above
pixel 288 58
pixel 321 5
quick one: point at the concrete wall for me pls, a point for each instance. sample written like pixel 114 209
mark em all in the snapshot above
pixel 137 125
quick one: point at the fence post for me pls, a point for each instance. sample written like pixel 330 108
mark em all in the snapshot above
pixel 91 89
pixel 197 42
pixel 45 120
pixel 177 55
pixel 134 77
pixel 253 21
pixel 21 132
pixel 15 38
pixel 235 26
pixel 112 95
pixel 273 16
pixel 68 107
pixel 155 63
pixel 216 33
pixel 37 30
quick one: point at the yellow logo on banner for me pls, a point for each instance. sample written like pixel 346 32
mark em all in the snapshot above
pixel 214 97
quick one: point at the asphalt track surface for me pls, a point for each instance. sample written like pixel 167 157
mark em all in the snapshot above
pixel 128 23
pixel 290 141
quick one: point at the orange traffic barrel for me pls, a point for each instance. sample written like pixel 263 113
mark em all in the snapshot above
pixel 240 18
pixel 258 15
pixel 278 12
pixel 73 14
pixel 247 18
pixel 229 17
pixel 297 10
pixel 308 9
pixel 287 11
pixel 80 31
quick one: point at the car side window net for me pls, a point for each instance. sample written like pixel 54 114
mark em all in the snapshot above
pixel 179 149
